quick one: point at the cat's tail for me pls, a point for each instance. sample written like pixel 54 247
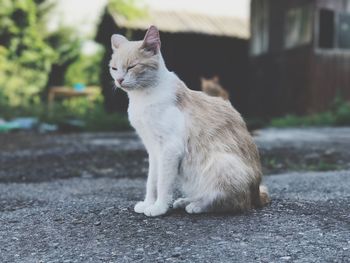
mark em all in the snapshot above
pixel 264 195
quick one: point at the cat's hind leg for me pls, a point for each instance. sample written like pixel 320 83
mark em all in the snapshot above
pixel 181 203
pixel 203 204
pixel 197 207
pixel 224 186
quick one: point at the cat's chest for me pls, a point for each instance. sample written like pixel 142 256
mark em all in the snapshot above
pixel 153 122
pixel 144 116
pixel 156 122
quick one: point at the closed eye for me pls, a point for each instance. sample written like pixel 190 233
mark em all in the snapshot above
pixel 130 67
pixel 113 68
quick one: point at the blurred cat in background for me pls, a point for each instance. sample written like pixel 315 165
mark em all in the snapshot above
pixel 213 88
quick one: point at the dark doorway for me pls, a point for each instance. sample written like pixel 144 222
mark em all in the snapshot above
pixel 326 27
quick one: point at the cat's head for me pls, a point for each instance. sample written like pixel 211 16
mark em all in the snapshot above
pixel 211 86
pixel 136 64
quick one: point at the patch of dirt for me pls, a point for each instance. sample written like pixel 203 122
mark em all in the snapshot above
pixel 35 158
pixel 31 157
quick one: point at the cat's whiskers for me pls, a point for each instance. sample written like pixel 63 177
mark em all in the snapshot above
pixel 114 87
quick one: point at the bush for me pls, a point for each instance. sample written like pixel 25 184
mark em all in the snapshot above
pixel 91 115
pixel 85 70
pixel 25 58
pixel 342 112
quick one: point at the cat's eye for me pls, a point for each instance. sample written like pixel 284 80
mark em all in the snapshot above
pixel 113 68
pixel 130 67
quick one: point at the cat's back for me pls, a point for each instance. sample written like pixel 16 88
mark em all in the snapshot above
pixel 207 110
pixel 214 125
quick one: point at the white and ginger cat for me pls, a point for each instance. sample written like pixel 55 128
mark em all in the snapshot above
pixel 212 87
pixel 197 141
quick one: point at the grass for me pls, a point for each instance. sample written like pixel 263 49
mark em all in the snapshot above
pixel 281 164
pixel 337 115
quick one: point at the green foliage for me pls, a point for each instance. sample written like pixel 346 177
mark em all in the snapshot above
pixel 27 53
pixel 90 113
pixel 338 115
pixel 86 70
pixel 127 8
pixel 341 110
pixel 325 166
pixel 66 44
pixel 25 58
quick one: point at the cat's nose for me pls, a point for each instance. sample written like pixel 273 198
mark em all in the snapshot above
pixel 120 80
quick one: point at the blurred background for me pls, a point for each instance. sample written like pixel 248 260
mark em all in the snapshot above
pixel 281 63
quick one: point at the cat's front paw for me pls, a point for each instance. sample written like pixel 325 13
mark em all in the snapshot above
pixel 141 206
pixel 156 209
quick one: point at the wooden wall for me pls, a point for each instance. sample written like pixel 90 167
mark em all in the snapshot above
pixel 300 80
pixel 330 68
pixel 281 82
pixel 339 5
pixel 281 76
pixel 330 76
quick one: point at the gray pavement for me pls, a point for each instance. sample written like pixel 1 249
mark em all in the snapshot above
pixel 91 220
pixel 69 198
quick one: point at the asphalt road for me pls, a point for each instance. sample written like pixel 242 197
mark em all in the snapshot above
pixel 52 213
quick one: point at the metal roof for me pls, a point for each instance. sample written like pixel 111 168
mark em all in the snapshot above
pixel 181 21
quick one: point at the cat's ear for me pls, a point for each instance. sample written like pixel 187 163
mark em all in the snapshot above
pixel 216 79
pixel 117 40
pixel 151 42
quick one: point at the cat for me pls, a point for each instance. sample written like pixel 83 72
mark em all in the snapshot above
pixel 197 141
pixel 213 88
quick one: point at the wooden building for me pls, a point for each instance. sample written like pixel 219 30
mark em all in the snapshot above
pixel 193 45
pixel 300 54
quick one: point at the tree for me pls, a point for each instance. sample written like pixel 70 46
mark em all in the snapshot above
pixel 67 47
pixel 25 57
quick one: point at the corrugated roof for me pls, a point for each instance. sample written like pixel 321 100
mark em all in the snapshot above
pixel 180 21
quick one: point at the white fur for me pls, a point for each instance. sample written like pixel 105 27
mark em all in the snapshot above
pixel 161 126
